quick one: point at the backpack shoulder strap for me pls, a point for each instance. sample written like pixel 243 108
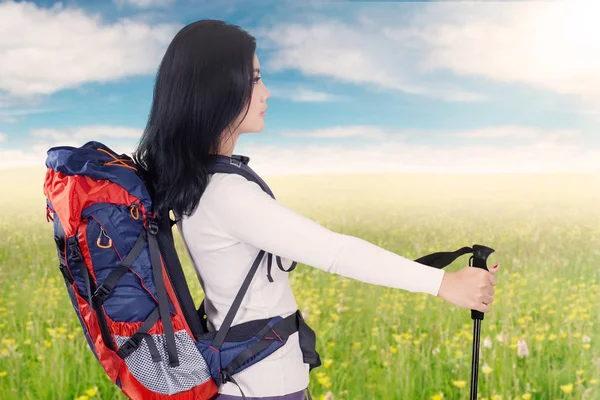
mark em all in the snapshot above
pixel 238 165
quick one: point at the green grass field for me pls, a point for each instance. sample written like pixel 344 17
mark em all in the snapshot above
pixel 375 342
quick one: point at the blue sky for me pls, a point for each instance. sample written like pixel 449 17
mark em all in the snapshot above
pixel 355 86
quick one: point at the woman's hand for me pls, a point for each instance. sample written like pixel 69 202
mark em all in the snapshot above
pixel 471 288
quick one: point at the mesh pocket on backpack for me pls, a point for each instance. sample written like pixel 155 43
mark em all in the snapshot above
pixel 159 376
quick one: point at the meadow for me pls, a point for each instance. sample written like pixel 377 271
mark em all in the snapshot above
pixel 541 340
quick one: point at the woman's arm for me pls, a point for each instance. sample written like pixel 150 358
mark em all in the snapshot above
pixel 246 213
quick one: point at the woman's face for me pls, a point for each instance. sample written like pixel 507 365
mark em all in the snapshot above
pixel 255 119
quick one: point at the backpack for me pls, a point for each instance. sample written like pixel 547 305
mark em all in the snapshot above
pixel 128 289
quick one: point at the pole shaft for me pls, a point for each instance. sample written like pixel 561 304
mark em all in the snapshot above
pixel 475 361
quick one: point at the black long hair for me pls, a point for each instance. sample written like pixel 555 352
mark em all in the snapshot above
pixel 203 83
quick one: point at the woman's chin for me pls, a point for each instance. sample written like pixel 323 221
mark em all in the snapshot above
pixel 259 127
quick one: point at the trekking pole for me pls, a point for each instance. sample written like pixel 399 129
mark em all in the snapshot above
pixel 479 257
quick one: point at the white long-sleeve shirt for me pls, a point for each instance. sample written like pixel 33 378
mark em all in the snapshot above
pixel 234 220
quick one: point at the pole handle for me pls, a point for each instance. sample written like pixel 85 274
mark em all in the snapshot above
pixel 479 258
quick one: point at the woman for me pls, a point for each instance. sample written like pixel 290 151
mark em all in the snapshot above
pixel 208 92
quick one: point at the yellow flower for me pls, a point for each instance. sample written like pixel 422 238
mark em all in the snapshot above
pixel 567 388
pixel 586 346
pixel 497 397
pixel 48 343
pixel 3 374
pixel 580 372
pixel 327 396
pixel 92 392
pixel 356 346
pixel 459 384
pixel 459 353
pixel 593 381
pixel 327 363
pixel 393 349
pixel 526 396
pixel 81 398
pixel 438 396
pixel 487 369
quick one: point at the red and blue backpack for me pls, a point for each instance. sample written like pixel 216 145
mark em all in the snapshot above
pixel 128 289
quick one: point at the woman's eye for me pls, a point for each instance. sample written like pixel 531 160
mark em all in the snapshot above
pixel 257 79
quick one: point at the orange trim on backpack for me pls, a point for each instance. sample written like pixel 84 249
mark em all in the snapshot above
pixel 108 246
pixel 137 211
pixel 117 161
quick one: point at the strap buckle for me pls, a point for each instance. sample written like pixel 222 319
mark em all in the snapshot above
pixel 225 377
pixel 102 293
pixel 75 252
pixel 129 346
pixel 65 273
pixel 152 227
pixel 60 242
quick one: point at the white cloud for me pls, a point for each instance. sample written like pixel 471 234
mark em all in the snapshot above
pixel 535 151
pixel 36 155
pixel 340 132
pixel 524 150
pixel 553 46
pixel 86 133
pixel 398 157
pixel 304 95
pixel 519 132
pixel 352 54
pixel 118 138
pixel 46 50
pixel 549 45
pixel 11 115
pixel 13 158
pixel 507 132
pixel 145 3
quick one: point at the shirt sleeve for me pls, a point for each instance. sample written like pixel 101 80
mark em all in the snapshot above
pixel 243 211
